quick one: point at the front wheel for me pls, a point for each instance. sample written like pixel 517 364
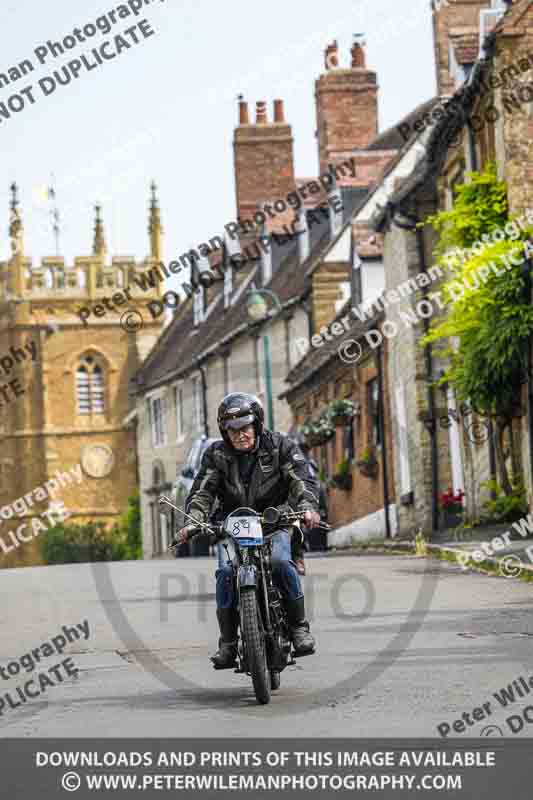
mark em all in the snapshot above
pixel 254 644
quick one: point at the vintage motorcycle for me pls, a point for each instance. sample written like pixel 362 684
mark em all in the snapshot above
pixel 264 644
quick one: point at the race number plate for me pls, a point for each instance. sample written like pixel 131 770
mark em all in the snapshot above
pixel 246 530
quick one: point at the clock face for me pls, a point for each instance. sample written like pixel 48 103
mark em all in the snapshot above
pixel 97 460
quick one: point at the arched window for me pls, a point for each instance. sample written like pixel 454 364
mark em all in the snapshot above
pixel 90 387
pixel 99 279
pixel 49 278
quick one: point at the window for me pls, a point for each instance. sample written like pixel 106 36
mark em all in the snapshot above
pixel 228 277
pixel 90 387
pixel 157 420
pixel 335 209
pixel 356 277
pixel 49 278
pixel 266 264
pixel 374 427
pixel 198 301
pixel 197 403
pixel 178 406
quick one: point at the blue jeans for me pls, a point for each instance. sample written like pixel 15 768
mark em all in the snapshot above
pixel 284 574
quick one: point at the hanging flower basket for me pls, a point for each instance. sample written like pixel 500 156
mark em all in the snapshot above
pixel 318 432
pixel 340 412
pixel 342 479
pixel 344 482
pixel 368 464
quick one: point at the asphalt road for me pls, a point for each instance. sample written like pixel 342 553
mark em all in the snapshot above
pixel 404 645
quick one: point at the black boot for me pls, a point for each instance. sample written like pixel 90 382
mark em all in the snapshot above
pixel 303 641
pixel 228 622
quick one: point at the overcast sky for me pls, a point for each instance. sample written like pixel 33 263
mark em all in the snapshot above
pixel 166 108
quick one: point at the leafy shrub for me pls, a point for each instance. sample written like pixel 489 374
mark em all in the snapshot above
pixel 92 541
pixel 504 508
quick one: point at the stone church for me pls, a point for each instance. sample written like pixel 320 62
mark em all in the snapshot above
pixel 64 378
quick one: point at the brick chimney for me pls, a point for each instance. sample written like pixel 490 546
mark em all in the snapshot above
pixel 346 106
pixel 455 23
pixel 263 157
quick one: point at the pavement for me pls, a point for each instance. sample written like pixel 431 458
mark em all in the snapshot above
pixel 405 644
pixel 511 557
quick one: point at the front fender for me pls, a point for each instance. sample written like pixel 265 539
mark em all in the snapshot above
pixel 247 576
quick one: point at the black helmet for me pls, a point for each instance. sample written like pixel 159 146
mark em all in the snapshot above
pixel 238 410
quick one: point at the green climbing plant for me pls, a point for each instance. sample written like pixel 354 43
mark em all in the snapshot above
pixel 489 318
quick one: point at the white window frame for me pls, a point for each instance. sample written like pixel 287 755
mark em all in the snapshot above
pixel 197 404
pixel 228 283
pixel 198 305
pixel 158 437
pixel 177 391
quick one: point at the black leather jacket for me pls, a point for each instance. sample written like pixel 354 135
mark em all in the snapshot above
pixel 280 478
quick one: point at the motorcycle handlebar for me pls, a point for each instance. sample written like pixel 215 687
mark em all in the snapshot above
pixel 217 532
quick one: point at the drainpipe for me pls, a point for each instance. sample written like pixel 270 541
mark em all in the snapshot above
pixel 412 226
pixel 472 146
pixel 201 370
pixel 381 412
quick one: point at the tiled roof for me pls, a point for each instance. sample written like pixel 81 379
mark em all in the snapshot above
pixel 391 139
pixel 181 344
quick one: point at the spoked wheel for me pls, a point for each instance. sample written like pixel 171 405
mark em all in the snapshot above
pixel 274 679
pixel 254 640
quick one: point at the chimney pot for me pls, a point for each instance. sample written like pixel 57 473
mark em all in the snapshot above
pixel 261 113
pixel 358 56
pixel 331 56
pixel 278 111
pixel 244 119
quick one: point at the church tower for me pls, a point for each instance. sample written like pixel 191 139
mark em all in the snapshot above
pixel 71 337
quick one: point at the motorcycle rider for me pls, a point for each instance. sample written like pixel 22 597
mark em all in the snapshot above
pixel 257 468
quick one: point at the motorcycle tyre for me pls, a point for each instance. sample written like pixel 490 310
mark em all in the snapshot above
pixel 255 646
